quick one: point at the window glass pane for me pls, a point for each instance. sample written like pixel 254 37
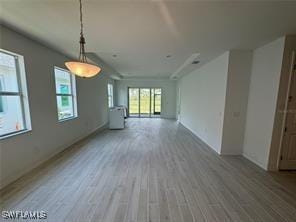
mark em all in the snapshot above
pixel 64 89
pixel 133 101
pixel 157 91
pixel 110 95
pixel 65 107
pixel 1 105
pixel 62 81
pixel 152 101
pixel 157 102
pixel 11 119
pixel 144 101
pixel 108 89
pixel 8 73
pixel 65 101
pixel 109 101
pixel 1 99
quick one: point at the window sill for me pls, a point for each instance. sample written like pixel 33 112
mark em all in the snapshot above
pixel 66 119
pixel 15 134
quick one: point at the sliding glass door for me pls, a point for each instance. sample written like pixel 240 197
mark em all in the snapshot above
pixel 134 102
pixel 144 102
pixel 157 102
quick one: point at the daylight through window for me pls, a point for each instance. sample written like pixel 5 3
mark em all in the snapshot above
pixel 110 95
pixel 65 93
pixel 14 115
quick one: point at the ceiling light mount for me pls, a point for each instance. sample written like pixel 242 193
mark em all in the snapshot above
pixel 81 67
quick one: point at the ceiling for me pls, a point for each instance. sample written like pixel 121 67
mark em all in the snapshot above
pixel 143 33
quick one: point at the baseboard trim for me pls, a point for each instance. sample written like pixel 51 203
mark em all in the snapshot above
pixel 203 143
pixel 254 161
pixel 170 118
pixel 11 180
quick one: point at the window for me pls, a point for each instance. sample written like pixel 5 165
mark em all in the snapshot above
pixel 110 95
pixel 14 106
pixel 1 89
pixel 65 93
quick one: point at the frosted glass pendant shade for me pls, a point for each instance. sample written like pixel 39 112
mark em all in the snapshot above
pixel 83 69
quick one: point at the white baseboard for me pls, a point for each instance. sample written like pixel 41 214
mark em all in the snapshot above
pixel 6 181
pixel 197 137
pixel 254 161
pixel 243 154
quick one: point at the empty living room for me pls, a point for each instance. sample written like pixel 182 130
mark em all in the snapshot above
pixel 148 110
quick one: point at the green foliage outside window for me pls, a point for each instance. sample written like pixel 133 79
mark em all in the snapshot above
pixel 65 100
pixel 65 90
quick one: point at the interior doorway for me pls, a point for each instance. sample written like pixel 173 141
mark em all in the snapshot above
pixel 288 152
pixel 144 102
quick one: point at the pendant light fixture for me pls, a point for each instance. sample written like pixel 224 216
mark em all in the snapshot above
pixel 81 67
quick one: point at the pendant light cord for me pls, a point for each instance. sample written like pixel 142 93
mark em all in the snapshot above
pixel 81 24
pixel 82 56
pixel 81 67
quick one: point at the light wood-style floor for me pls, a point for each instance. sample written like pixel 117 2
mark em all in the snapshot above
pixel 154 170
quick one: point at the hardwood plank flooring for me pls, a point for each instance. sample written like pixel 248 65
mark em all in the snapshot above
pixel 153 171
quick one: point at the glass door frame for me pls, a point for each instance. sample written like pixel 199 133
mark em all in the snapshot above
pixel 138 115
pixel 154 96
pixel 128 102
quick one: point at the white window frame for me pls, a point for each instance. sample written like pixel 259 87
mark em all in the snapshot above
pixel 22 93
pixel 72 95
pixel 2 86
pixel 110 96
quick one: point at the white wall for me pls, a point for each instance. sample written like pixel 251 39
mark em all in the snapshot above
pixel 230 103
pixel 239 71
pixel 264 84
pixel 21 153
pixel 168 106
pixel 203 95
pixel 214 100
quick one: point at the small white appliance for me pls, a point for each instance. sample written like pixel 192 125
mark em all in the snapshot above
pixel 116 118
